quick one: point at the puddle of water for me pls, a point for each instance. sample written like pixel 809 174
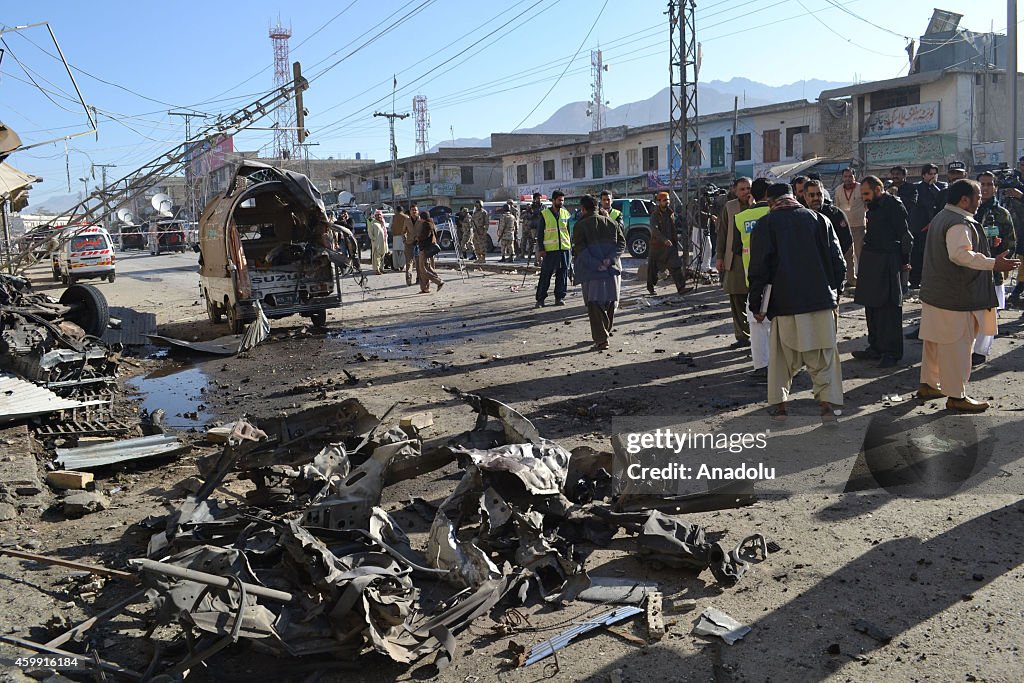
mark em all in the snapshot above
pixel 177 391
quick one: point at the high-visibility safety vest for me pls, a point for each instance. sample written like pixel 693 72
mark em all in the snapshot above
pixel 556 230
pixel 614 214
pixel 745 222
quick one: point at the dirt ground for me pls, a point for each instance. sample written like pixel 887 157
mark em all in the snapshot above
pixel 938 576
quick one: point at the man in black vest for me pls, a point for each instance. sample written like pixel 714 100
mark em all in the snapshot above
pixel 886 253
pixel 958 297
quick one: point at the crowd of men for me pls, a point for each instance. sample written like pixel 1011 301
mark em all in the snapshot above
pixel 779 248
pixel 786 253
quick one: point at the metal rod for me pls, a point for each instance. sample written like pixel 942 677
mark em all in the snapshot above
pixel 72 77
pixel 91 568
pixel 207 579
pixel 1010 153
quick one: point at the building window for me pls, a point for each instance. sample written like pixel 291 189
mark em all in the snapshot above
pixel 536 172
pixel 718 152
pixel 791 134
pixel 898 97
pixel 579 167
pixel 632 161
pixel 521 174
pixel 549 169
pixel 510 176
pixel 597 166
pixel 770 145
pixel 742 150
pixel 611 163
pixel 426 176
pixel 566 168
pixel 650 158
pixel 467 174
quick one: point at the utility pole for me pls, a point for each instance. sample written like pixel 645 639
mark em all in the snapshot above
pixel 103 194
pixel 305 153
pixel 190 179
pixel 1011 72
pixel 394 147
pixel 732 143
pixel 683 115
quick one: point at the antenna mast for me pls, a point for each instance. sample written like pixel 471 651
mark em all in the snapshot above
pixel 597 102
pixel 284 136
pixel 419 110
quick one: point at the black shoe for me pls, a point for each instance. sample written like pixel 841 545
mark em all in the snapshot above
pixel 888 362
pixel 539 304
pixel 740 344
pixel 559 302
pixel 650 290
pixel 978 359
pixel 867 354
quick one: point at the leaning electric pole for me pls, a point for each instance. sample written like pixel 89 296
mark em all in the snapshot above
pixel 684 168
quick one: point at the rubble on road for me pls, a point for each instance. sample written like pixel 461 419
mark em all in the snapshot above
pixel 309 563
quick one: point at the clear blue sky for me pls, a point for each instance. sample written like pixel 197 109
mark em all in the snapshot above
pixel 484 66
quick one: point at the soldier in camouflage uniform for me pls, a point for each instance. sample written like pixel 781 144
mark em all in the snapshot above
pixel 465 230
pixel 480 221
pixel 507 227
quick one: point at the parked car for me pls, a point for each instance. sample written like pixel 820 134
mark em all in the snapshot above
pixel 166 235
pixel 257 244
pixel 87 253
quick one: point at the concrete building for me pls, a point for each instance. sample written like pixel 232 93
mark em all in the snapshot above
pixel 638 160
pixel 451 176
pixel 939 116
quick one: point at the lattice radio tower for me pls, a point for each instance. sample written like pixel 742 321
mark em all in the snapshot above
pixel 419 111
pixel 684 168
pixel 284 137
pixel 597 102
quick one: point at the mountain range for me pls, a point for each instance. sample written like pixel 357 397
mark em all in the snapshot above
pixel 713 97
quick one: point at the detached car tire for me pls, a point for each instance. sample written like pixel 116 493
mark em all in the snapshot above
pixel 445 241
pixel 89 308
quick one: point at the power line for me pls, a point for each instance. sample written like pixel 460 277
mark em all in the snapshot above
pixel 866 21
pixel 557 80
pixel 840 35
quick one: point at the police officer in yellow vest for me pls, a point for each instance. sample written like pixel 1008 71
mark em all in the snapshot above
pixel 760 331
pixel 555 250
pixel 607 210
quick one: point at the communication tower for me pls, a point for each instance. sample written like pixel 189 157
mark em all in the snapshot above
pixel 284 117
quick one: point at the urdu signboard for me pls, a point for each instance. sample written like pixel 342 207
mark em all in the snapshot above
pixel 899 121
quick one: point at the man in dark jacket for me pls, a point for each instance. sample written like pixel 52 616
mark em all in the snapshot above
pixel 926 194
pixel 662 251
pixel 907 192
pixel 532 224
pixel 597 246
pixel 796 273
pixel 886 254
pixel 814 199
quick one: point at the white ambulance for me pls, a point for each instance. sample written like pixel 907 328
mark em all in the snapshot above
pixel 87 253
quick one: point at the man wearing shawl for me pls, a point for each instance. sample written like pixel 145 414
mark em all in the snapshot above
pixel 597 246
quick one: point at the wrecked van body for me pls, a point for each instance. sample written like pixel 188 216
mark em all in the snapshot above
pixel 261 243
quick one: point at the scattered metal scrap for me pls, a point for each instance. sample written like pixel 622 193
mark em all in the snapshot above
pixel 20 399
pixel 323 569
pixel 141 448
pixel 715 622
pixel 552 645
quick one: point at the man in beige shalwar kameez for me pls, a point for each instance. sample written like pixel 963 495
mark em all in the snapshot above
pixel 958 298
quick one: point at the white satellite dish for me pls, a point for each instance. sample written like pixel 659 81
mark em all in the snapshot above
pixel 124 215
pixel 162 203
